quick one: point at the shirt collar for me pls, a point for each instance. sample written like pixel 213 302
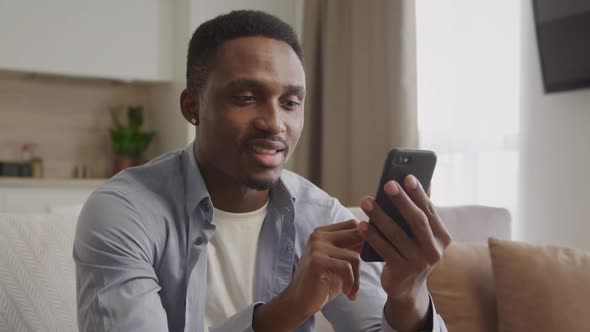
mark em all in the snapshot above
pixel 283 186
pixel 195 188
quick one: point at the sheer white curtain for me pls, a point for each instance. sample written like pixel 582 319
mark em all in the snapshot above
pixel 468 98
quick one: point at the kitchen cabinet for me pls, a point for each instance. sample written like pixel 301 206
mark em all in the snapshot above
pixel 120 40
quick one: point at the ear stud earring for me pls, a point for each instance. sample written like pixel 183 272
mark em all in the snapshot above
pixel 194 121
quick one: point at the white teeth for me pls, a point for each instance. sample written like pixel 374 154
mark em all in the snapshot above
pixel 262 150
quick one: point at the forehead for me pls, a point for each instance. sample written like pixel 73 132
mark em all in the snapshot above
pixel 264 59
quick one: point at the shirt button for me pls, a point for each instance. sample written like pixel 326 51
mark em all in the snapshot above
pixel 198 241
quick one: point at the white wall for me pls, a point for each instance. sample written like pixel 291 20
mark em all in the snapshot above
pixel 555 156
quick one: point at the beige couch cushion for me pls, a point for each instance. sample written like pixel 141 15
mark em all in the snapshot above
pixel 541 288
pixel 462 287
pixel 37 280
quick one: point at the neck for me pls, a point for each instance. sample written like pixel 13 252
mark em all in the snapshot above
pixel 229 195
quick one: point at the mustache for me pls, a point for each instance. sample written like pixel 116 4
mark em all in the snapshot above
pixel 275 140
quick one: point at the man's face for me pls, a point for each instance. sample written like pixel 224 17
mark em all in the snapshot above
pixel 251 111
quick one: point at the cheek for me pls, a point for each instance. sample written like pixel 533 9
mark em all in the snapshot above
pixel 295 128
pixel 225 124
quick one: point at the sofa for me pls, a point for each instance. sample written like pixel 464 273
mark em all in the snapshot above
pixel 37 283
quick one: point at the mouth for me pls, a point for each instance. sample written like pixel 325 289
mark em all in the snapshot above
pixel 262 150
pixel 267 154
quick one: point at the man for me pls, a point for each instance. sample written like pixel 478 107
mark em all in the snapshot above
pixel 219 236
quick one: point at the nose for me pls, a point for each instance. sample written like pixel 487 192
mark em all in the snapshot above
pixel 269 119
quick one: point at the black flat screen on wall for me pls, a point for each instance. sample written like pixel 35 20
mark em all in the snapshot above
pixel 563 36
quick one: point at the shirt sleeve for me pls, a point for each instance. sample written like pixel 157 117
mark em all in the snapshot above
pixel 117 287
pixel 239 322
pixel 436 322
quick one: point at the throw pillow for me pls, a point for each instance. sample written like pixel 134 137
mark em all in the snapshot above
pixel 462 288
pixel 541 288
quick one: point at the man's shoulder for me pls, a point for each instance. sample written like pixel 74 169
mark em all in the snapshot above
pixel 151 188
pixel 136 199
pixel 154 174
pixel 313 206
pixel 304 191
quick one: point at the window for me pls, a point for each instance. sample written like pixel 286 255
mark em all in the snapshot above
pixel 468 98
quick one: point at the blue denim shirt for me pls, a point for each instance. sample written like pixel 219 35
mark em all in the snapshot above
pixel 141 260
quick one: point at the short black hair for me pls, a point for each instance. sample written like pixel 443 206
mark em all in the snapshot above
pixel 239 23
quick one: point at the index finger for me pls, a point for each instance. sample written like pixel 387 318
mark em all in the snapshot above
pixel 347 238
pixel 349 224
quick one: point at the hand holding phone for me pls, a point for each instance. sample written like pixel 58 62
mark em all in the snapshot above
pixel 406 232
pixel 399 164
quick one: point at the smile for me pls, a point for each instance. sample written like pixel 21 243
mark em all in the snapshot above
pixel 259 149
pixel 267 154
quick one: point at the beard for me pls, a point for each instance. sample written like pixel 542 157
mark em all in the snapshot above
pixel 257 184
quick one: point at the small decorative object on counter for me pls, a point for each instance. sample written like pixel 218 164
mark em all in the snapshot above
pixel 80 171
pixel 26 165
pixel 11 169
pixel 36 163
pixel 25 168
pixel 129 141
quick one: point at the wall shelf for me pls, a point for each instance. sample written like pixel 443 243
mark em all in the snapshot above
pixel 16 182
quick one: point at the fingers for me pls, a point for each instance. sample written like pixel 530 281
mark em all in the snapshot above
pixel 390 229
pixel 353 260
pixel 349 224
pixel 381 246
pixel 337 273
pixel 416 193
pixel 349 238
pixel 341 243
pixel 414 216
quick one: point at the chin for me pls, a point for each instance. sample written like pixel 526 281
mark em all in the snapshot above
pixel 260 183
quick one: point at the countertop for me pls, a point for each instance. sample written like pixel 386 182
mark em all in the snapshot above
pixel 21 182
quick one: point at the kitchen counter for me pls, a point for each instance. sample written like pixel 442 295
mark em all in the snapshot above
pixel 22 182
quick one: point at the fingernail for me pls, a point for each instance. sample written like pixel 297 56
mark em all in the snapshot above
pixel 367 204
pixel 412 183
pixel 391 188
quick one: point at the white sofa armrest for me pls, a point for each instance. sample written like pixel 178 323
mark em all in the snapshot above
pixel 469 223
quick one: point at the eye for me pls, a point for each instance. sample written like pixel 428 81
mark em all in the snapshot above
pixel 290 104
pixel 244 100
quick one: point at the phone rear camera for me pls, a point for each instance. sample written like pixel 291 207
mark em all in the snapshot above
pixel 403 160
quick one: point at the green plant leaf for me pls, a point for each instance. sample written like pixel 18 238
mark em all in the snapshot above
pixel 129 140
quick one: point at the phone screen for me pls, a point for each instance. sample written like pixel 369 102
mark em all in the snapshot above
pixel 399 164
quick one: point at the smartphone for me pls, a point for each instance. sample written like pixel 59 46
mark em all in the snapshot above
pixel 399 164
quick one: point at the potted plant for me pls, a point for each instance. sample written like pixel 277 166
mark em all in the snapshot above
pixel 128 140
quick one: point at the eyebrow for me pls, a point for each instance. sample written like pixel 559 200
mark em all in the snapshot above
pixel 252 84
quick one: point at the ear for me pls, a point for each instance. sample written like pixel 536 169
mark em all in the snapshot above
pixel 189 106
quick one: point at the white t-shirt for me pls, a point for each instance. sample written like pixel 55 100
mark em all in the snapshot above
pixel 231 263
